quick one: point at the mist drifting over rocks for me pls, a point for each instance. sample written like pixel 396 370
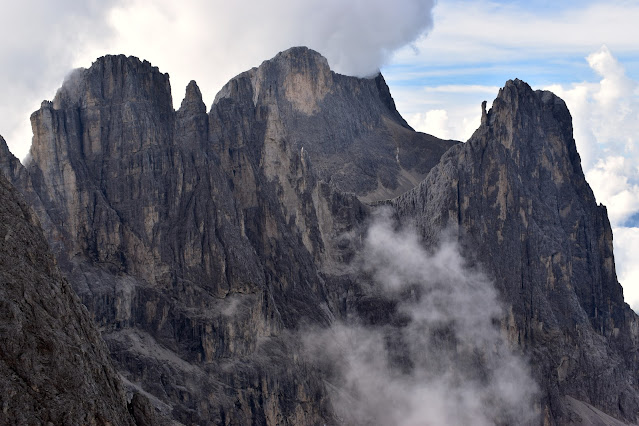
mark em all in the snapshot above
pixel 207 245
pixel 442 359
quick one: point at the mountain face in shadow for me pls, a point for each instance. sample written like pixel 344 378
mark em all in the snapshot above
pixel 55 366
pixel 209 248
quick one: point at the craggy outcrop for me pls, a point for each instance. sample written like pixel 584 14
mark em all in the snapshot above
pixel 204 244
pixel 517 198
pixel 197 240
pixel 55 368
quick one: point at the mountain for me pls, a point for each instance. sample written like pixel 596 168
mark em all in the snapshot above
pixel 216 250
pixel 55 367
pixel 516 195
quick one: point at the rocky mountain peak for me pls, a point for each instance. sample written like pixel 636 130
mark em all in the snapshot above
pixel 192 102
pixel 202 243
pixel 532 125
pixel 301 58
pixel 516 195
pixel 305 76
pixel 519 103
pixel 114 78
pixel 117 106
pixel 355 138
pixel 300 76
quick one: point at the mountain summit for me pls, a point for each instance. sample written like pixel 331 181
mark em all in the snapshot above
pixel 517 194
pixel 214 249
pixel 349 126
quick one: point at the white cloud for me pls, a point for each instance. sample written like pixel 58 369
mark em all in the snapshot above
pixel 612 182
pixel 607 133
pixel 38 41
pixel 484 31
pixel 434 122
pixel 213 41
pixel 209 41
pixel 445 111
pixel 626 243
pixel 614 84
pixel 448 364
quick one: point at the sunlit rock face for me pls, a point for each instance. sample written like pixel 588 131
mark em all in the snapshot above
pixel 210 247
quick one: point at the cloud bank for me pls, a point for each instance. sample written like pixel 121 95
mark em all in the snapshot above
pixel 209 41
pixel 442 361
pixel 212 41
pixel 606 127
pixel 38 44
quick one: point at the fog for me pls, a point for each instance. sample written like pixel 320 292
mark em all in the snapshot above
pixel 440 359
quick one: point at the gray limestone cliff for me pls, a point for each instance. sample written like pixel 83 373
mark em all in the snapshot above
pixel 198 241
pixel 204 244
pixel 516 197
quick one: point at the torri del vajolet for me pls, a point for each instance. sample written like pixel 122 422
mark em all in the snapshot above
pixel 298 255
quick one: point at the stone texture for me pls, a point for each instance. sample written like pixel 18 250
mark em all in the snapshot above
pixel 55 368
pixel 195 240
pixel 516 197
pixel 203 243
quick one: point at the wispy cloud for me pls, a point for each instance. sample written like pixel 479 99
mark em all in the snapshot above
pixel 483 31
pixel 488 42
pixel 446 363
pixel 459 88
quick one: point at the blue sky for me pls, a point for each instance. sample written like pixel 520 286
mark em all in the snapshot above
pixel 440 59
pixel 543 42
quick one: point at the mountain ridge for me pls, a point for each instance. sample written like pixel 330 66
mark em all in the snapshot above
pixel 203 242
pixel 553 218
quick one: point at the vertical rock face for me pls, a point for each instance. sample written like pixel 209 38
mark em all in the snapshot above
pixel 199 241
pixel 517 197
pixel 55 368
pixel 152 238
pixel 355 137
pixel 203 243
